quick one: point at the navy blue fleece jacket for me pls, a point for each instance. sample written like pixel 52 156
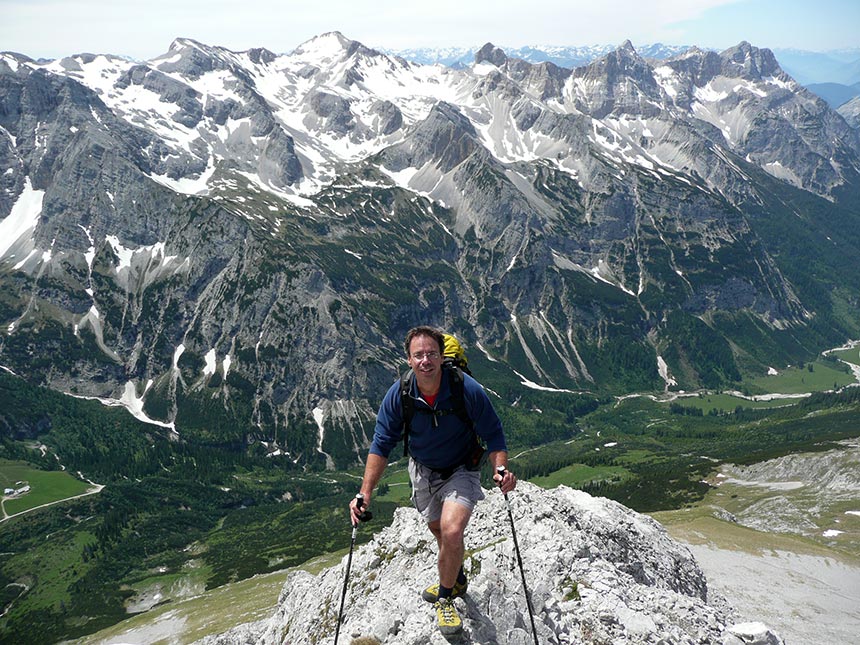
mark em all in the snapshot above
pixel 448 444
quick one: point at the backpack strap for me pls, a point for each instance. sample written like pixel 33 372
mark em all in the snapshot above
pixel 458 393
pixel 407 407
pixel 477 455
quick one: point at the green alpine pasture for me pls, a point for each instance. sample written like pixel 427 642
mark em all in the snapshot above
pixel 579 475
pixel 46 487
pixel 812 377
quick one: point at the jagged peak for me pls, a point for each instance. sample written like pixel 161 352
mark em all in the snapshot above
pixel 330 38
pixel 332 45
pixel 489 53
pixel 626 54
pixel 182 42
pixel 745 50
pixel 261 55
pixel 188 49
pixel 191 58
pixel 692 52
pixel 624 61
pixel 754 62
pixel 744 45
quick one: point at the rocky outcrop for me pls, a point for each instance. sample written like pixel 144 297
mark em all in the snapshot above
pixel 850 111
pixel 597 573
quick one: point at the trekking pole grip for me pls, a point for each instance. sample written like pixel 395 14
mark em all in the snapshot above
pixel 363 516
pixel 502 470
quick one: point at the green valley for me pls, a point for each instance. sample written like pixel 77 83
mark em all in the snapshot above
pixel 194 520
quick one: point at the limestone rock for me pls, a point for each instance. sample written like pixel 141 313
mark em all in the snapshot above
pixel 597 573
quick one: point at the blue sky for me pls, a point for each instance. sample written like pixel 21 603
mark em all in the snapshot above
pixel 143 30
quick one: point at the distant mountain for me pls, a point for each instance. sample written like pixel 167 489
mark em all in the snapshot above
pixel 807 67
pixel 448 56
pixel 568 57
pixel 233 244
pixel 834 93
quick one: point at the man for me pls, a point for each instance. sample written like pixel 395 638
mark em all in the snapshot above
pixel 444 489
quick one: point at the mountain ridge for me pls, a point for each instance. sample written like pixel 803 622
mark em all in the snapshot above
pixel 595 570
pixel 181 224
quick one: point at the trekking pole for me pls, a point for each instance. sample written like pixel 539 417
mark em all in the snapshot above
pixel 501 471
pixel 364 517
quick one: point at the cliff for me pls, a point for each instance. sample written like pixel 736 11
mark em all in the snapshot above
pixel 597 572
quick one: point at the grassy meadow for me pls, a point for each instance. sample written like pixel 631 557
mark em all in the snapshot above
pixel 46 487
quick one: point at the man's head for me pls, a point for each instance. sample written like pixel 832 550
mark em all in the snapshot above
pixel 424 330
pixel 424 346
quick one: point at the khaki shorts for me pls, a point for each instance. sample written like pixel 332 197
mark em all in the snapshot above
pixel 430 491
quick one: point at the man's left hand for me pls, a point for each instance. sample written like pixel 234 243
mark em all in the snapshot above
pixel 507 482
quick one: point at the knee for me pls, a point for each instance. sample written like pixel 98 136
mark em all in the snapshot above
pixel 451 534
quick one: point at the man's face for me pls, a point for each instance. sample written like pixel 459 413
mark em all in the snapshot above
pixel 425 358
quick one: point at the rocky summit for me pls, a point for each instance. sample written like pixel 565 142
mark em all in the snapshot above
pixel 597 572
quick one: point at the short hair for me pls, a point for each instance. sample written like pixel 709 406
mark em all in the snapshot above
pixel 424 330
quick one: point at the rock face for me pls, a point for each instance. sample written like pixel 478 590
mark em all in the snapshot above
pixel 597 573
pixel 850 111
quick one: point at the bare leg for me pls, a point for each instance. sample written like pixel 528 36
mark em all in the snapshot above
pixel 449 531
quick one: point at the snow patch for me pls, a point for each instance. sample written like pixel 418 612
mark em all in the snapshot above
pixel 188 185
pixel 180 349
pixel 400 177
pixel 663 369
pixel 319 415
pixel 708 94
pixel 131 402
pixel 23 217
pixel 211 363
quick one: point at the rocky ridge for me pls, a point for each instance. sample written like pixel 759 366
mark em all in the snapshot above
pixel 597 573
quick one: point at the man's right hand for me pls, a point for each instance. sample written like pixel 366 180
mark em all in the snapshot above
pixel 355 511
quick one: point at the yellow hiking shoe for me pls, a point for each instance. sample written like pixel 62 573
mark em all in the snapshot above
pixel 447 617
pixel 431 593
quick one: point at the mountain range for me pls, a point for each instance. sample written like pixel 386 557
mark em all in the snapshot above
pixel 232 244
pixel 834 76
pixel 570 56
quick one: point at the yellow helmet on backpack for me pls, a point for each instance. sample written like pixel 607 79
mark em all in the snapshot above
pixel 454 352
